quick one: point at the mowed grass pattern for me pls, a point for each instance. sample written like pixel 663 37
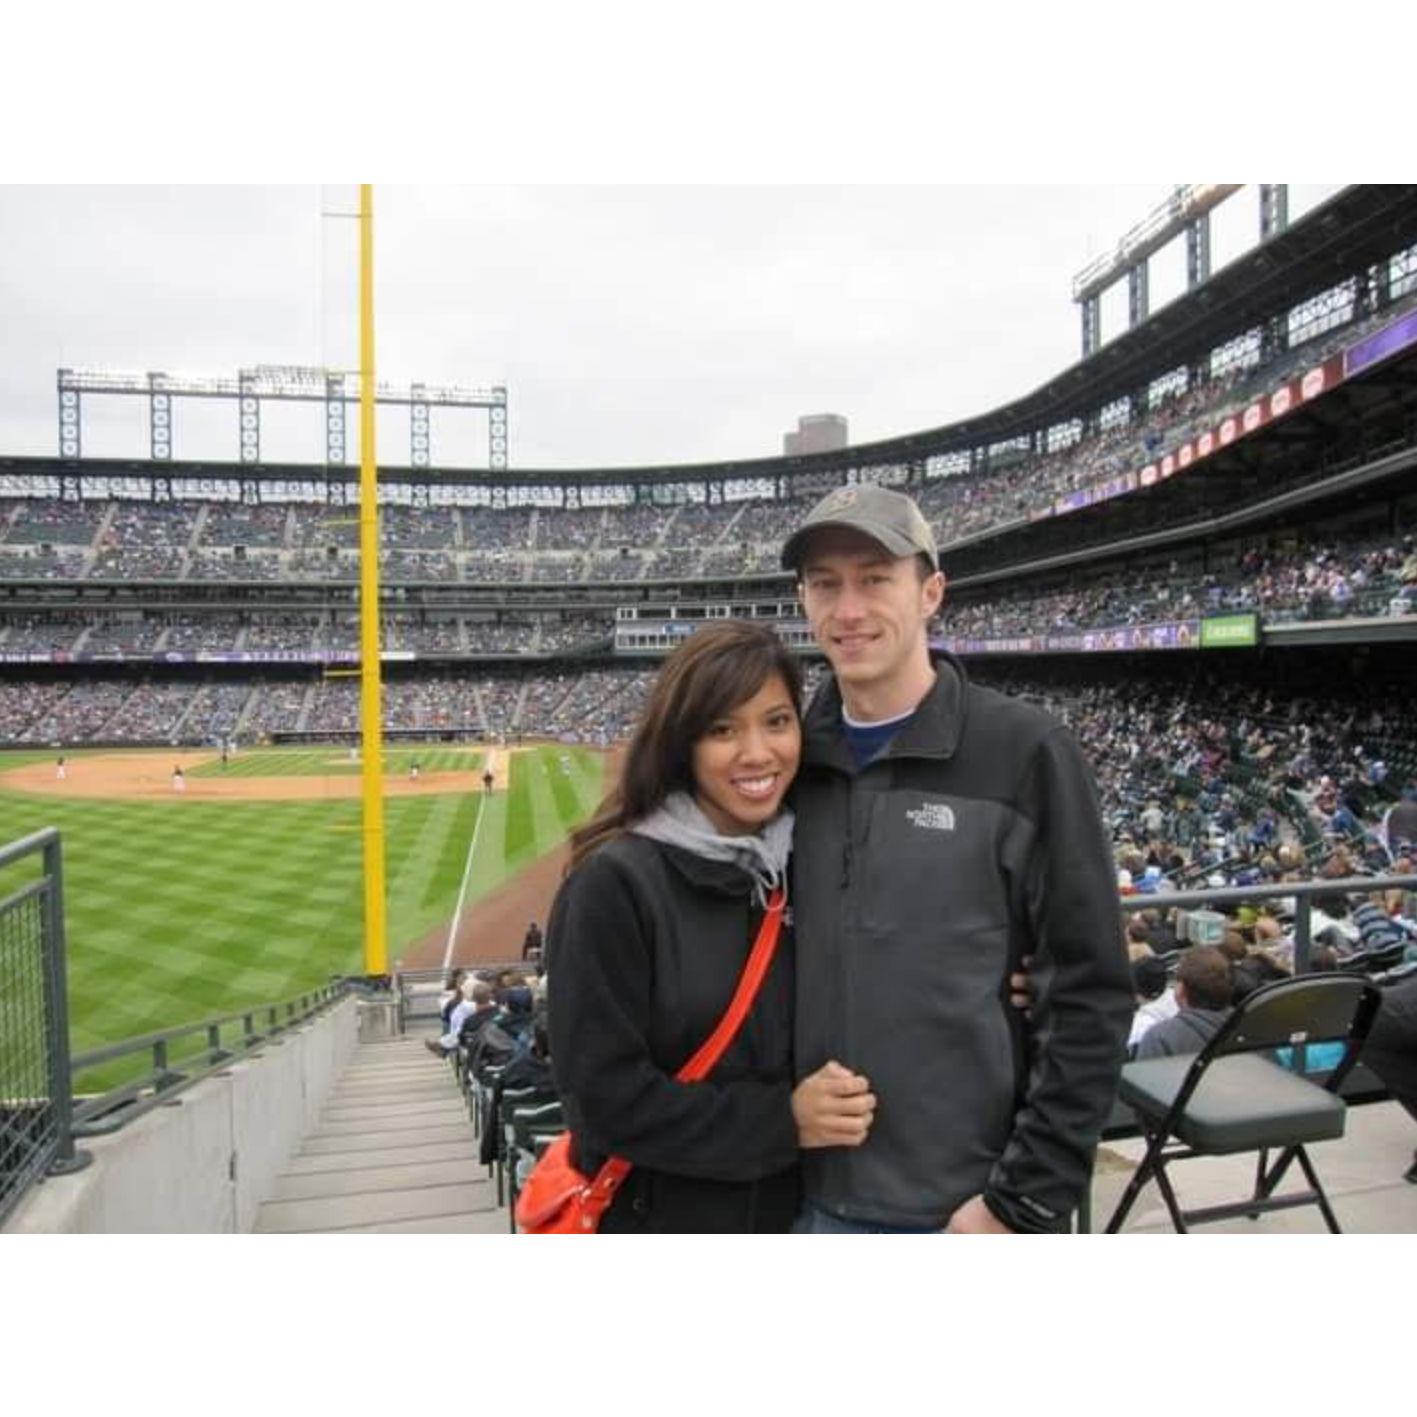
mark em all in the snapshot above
pixel 336 762
pixel 178 909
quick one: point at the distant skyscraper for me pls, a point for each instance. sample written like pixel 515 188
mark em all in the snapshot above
pixel 816 433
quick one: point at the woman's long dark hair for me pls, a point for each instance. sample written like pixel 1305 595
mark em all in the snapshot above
pixel 714 671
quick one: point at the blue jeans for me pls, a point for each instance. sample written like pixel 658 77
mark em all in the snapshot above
pixel 812 1221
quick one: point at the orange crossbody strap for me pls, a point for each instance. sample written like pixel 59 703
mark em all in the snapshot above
pixel 754 972
pixel 608 1178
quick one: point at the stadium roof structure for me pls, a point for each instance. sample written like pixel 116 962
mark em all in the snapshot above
pixel 1353 230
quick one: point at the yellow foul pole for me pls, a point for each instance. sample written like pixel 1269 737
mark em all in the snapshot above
pixel 376 942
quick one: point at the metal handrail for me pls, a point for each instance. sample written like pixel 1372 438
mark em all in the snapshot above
pixel 1301 891
pixel 114 1108
pixel 56 1154
pixel 36 841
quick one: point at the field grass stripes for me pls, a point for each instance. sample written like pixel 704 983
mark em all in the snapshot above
pixel 462 889
pixel 181 910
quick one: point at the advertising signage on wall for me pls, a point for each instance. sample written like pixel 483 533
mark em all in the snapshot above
pixel 1380 345
pixel 1230 631
pixel 1257 414
pixel 246 656
pixel 1164 634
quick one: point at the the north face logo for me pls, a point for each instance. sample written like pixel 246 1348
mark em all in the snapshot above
pixel 934 816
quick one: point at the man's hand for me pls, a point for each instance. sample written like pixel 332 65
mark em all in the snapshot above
pixel 1021 988
pixel 975 1218
pixel 832 1107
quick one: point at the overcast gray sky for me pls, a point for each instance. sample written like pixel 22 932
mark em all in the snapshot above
pixel 631 325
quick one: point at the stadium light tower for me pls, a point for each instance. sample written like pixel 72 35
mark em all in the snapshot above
pixel 1187 210
pixel 292 382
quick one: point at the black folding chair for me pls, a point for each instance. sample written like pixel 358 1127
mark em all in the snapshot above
pixel 1228 1098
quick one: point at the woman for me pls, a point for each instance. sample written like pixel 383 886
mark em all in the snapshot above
pixel 649 935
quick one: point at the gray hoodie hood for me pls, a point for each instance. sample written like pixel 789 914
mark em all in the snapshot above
pixel 681 822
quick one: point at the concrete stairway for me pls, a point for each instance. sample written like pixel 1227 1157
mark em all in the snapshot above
pixel 393 1152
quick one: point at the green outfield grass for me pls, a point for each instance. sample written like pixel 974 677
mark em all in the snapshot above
pixel 178 909
pixel 329 761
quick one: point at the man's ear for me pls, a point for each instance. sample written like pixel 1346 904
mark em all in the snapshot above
pixel 934 589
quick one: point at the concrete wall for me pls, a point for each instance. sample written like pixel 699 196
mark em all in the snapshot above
pixel 204 1163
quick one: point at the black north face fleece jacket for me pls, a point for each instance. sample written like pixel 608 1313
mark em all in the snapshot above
pixel 918 884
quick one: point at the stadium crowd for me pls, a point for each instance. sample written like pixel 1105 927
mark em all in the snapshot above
pixel 1296 576
pixel 1310 578
pixel 1201 777
pixel 191 540
pixel 1236 782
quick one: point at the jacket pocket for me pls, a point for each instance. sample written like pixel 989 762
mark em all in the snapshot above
pixel 928 865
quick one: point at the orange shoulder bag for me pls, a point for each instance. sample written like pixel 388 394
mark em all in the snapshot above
pixel 558 1199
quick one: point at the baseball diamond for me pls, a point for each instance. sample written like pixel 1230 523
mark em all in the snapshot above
pixel 1195 548
pixel 245 887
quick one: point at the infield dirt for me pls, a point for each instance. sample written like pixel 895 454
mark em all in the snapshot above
pixel 493 927
pixel 148 777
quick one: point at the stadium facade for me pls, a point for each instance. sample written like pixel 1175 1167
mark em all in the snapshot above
pixel 1233 473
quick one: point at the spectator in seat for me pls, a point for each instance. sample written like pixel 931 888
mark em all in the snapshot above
pixel 508 979
pixel 1254 971
pixel 1204 992
pixel 1232 946
pixel 515 1015
pixel 1399 824
pixel 1329 923
pixel 451 996
pixel 1139 944
pixel 1160 930
pixel 528 1070
pixel 476 997
pixel 1156 1000
pixel 1378 932
pixel 484 1010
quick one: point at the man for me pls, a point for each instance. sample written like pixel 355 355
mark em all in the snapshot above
pixel 477 1007
pixel 1204 989
pixel 1378 932
pixel 1391 1050
pixel 1156 1000
pixel 1399 824
pixel 944 832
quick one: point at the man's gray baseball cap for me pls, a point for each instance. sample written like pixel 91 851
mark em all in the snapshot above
pixel 885 516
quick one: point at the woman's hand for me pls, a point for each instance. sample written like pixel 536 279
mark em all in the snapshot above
pixel 833 1107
